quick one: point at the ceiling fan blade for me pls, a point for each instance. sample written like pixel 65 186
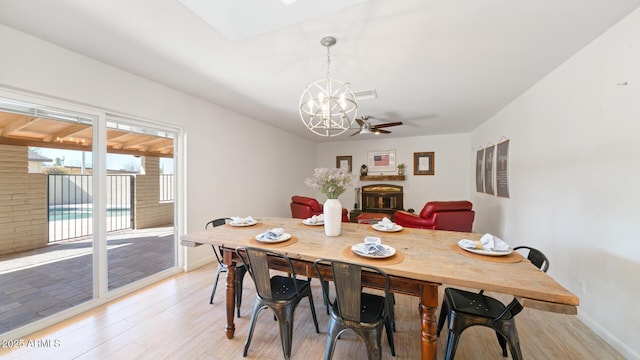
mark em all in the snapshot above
pixel 360 122
pixel 387 125
pixel 380 131
pixel 356 133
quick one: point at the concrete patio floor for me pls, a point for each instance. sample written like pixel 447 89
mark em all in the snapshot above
pixel 38 283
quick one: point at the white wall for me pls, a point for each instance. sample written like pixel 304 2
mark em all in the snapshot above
pixel 451 161
pixel 574 159
pixel 235 164
pixel 575 170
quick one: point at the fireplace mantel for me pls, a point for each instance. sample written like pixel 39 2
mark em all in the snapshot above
pixel 382 178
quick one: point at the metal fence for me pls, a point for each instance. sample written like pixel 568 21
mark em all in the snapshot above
pixel 166 187
pixel 70 210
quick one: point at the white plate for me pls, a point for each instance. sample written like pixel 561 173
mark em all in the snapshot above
pixel 312 224
pixel 487 252
pixel 359 249
pixel 379 227
pixel 244 224
pixel 281 238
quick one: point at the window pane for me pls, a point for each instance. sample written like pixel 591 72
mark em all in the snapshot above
pixel 46 247
pixel 140 188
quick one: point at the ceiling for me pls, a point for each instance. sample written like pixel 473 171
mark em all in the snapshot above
pixel 27 130
pixel 440 67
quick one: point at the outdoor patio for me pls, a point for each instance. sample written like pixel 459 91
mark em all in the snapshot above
pixel 38 283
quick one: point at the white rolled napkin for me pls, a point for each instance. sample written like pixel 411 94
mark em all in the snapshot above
pixel 374 249
pixel 386 223
pixel 486 242
pixel 237 220
pixel 272 234
pixel 372 240
pixel 315 219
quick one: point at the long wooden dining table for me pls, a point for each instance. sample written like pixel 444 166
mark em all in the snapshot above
pixel 424 260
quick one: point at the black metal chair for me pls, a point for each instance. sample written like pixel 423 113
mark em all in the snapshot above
pixel 536 257
pixel 352 309
pixel 281 294
pixel 241 270
pixel 464 309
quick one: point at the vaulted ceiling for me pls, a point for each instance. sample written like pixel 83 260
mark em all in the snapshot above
pixel 440 67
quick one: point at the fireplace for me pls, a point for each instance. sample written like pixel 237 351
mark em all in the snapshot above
pixel 382 198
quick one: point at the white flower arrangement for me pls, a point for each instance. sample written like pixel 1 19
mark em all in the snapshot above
pixel 330 182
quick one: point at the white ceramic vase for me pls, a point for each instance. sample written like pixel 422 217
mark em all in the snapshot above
pixel 332 210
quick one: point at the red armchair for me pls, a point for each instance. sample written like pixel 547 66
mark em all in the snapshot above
pixel 439 215
pixel 305 207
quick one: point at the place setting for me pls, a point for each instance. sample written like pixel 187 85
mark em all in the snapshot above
pixel 375 251
pixel 315 220
pixel 489 247
pixel 238 221
pixel 275 237
pixel 386 225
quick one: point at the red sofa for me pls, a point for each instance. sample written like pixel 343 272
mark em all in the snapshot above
pixel 440 215
pixel 305 207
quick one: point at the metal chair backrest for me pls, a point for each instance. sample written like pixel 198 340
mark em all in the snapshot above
pixel 216 222
pixel 347 280
pixel 537 257
pixel 257 263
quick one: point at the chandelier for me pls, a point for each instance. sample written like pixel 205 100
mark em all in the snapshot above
pixel 328 106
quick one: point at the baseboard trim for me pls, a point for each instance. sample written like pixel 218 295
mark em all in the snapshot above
pixel 621 347
pixel 192 265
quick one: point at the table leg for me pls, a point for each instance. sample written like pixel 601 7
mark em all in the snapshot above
pixel 231 293
pixel 427 307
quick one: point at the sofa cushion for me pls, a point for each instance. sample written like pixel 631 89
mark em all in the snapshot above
pixel 440 206
pixel 311 202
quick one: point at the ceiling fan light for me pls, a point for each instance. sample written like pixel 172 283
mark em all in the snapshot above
pixel 367 128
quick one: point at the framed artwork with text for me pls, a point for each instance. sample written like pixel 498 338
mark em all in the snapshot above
pixel 344 162
pixel 423 163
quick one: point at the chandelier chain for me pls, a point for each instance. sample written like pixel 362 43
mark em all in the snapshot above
pixel 328 62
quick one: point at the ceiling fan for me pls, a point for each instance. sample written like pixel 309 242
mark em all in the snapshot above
pixel 367 128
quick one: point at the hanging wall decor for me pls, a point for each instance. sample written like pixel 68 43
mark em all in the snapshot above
pixel 344 162
pixel 479 163
pixel 381 161
pixel 423 163
pixel 488 169
pixel 502 169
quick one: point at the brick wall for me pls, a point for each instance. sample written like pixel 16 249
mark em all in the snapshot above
pixel 23 201
pixel 149 212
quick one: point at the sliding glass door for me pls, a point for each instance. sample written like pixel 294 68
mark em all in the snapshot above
pixel 46 217
pixel 87 210
pixel 140 186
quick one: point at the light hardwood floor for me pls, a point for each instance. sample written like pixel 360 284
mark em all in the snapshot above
pixel 173 320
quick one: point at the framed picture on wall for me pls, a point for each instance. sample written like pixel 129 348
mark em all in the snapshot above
pixel 381 161
pixel 343 162
pixel 423 163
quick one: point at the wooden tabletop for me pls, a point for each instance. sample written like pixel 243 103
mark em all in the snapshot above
pixel 429 255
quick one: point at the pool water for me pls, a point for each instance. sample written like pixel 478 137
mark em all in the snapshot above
pixel 77 213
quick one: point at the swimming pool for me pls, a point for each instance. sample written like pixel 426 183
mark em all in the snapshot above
pixel 82 212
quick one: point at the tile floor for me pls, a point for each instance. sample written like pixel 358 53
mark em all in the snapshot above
pixel 38 283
